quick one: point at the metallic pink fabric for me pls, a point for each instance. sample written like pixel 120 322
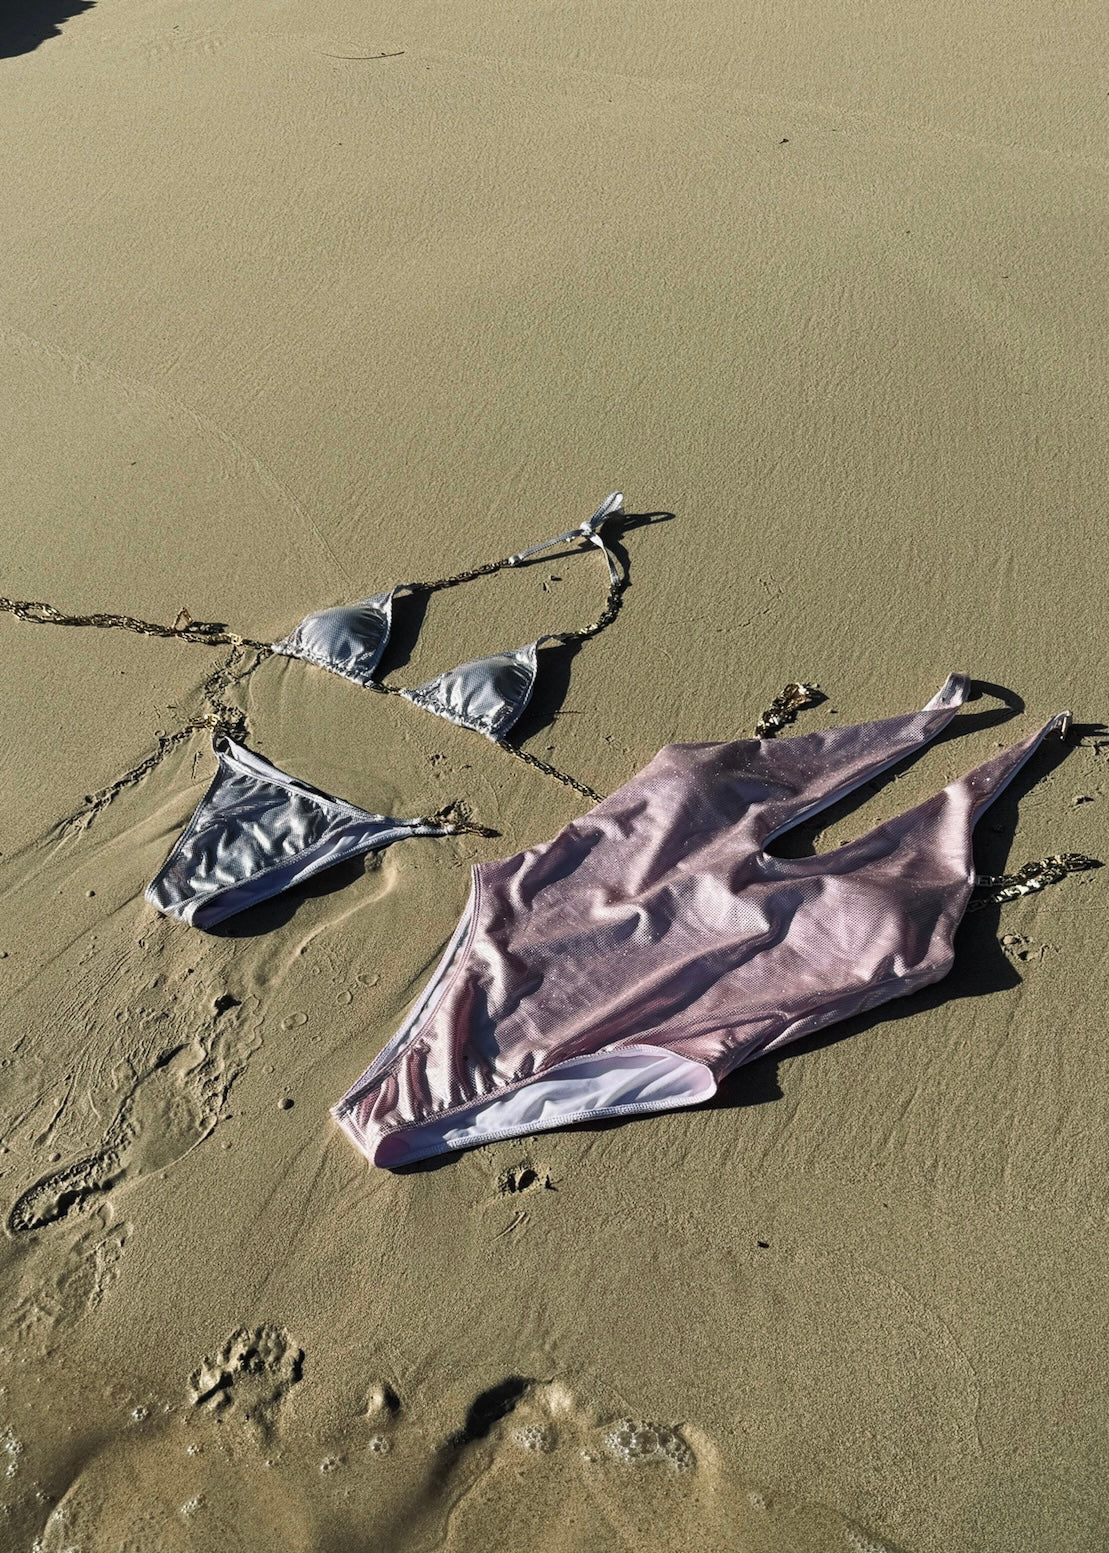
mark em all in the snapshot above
pixel 659 923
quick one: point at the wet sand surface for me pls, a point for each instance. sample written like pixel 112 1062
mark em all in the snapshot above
pixel 296 307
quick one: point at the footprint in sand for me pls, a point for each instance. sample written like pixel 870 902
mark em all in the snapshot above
pixel 524 1177
pixel 542 1418
pixel 618 1472
pixel 249 1376
pixel 55 1300
pixel 167 1111
pixel 1017 947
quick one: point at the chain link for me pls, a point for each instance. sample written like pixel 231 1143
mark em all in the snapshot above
pixel 613 599
pixel 552 771
pixel 1030 879
pixel 455 818
pixel 184 628
pixel 784 708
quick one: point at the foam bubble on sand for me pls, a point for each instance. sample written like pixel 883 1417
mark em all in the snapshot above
pixel 640 1443
pixel 12 1447
pixel 534 1437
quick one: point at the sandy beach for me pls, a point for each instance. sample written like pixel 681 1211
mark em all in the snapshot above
pixel 298 306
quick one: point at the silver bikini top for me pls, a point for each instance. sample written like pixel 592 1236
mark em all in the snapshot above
pixel 488 695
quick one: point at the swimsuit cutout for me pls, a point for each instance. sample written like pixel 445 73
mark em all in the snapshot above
pixel 488 695
pixel 655 944
pixel 258 831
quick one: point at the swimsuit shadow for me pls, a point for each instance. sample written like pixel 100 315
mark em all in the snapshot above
pixel 25 24
pixel 281 909
pixel 409 612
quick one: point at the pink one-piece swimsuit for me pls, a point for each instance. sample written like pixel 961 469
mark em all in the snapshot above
pixel 655 944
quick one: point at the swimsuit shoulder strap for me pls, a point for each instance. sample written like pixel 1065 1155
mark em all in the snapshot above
pixel 611 507
pixel 808 773
pixel 590 530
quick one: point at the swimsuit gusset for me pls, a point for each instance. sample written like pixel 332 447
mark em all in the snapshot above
pixel 655 944
pixel 487 695
pixel 257 832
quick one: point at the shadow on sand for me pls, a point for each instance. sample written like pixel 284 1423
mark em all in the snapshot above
pixel 24 24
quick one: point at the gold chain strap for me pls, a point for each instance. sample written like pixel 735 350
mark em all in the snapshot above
pixel 784 708
pixel 1028 880
pixel 613 599
pixel 184 628
pixel 455 817
pixel 995 889
pixel 552 771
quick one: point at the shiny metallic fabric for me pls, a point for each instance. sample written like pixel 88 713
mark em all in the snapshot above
pixel 656 943
pixel 257 832
pixel 348 640
pixel 488 695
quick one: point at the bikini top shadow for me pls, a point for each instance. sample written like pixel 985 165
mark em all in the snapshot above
pixel 488 694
